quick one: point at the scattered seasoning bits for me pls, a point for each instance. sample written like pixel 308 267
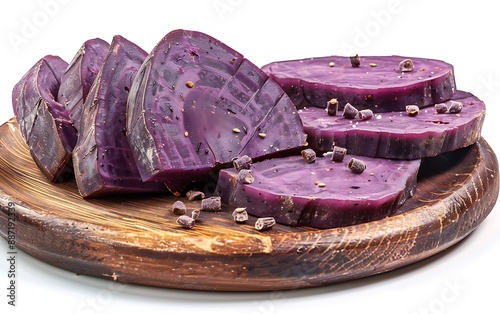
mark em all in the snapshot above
pixel 332 106
pixel 412 110
pixel 189 84
pixel 211 204
pixel 240 214
pixel 355 61
pixel 245 176
pixel 455 107
pixel 262 135
pixel 373 64
pixel 406 65
pixel 309 155
pixel 179 208
pixel 441 108
pixel 265 223
pixel 242 162
pixel 186 222
pixel 350 112
pixel 338 153
pixel 331 64
pixel 356 165
pixel 194 195
pixel 195 214
pixel 365 114
pixel 236 130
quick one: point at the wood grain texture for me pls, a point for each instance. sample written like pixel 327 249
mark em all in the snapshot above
pixel 135 239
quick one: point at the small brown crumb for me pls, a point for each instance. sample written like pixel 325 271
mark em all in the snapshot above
pixel 332 106
pixel 186 222
pixel 412 110
pixel 406 65
pixel 245 176
pixel 355 61
pixel 193 195
pixel 262 135
pixel 236 130
pixel 309 155
pixel 179 208
pixel 189 84
pixel 265 223
pixel 373 64
pixel 240 214
pixel 321 184
pixel 356 165
pixel 211 204
pixel 331 64
pixel 242 162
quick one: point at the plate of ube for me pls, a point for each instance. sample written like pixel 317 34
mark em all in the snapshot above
pixel 188 166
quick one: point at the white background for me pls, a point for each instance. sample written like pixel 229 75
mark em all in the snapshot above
pixel 463 279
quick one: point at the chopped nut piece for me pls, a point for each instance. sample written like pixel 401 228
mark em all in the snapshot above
pixel 332 106
pixel 195 214
pixel 245 176
pixel 365 114
pixel 193 195
pixel 242 162
pixel 406 65
pixel 356 165
pixel 186 222
pixel 455 107
pixel 355 61
pixel 265 223
pixel 240 214
pixel 189 84
pixel 331 64
pixel 350 112
pixel 179 208
pixel 338 153
pixel 441 108
pixel 412 110
pixel 309 155
pixel 211 204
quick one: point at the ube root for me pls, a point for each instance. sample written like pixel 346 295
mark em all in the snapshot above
pixel 196 104
pixel 323 194
pixel 377 83
pixel 44 122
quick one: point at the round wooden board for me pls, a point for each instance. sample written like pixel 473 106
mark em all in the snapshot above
pixel 135 239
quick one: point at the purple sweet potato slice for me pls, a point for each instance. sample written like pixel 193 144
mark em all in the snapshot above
pixel 102 157
pixel 43 121
pixel 79 76
pixel 322 194
pixel 196 104
pixel 377 84
pixel 398 135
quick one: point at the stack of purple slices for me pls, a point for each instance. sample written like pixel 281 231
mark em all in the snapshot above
pixel 123 121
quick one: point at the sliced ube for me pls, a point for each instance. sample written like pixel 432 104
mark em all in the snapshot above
pixel 196 104
pixel 399 135
pixel 79 76
pixel 379 83
pixel 44 122
pixel 321 194
pixel 102 157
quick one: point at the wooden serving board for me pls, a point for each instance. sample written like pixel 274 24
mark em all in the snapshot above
pixel 135 239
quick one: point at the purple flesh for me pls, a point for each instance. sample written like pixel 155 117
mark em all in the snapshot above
pixel 381 88
pixel 43 121
pixel 196 103
pixel 79 76
pixel 397 135
pixel 292 191
pixel 102 157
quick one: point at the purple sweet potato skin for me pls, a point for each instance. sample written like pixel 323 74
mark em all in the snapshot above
pixel 396 135
pixel 79 76
pixel 102 157
pixel 196 103
pixel 288 190
pixel 43 121
pixel 381 88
